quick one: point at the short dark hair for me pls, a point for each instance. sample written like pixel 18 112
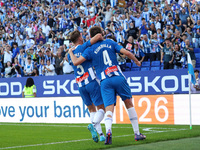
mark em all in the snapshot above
pixel 111 37
pixel 74 36
pixel 196 71
pixel 95 30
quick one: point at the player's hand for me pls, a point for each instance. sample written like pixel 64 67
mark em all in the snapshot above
pixel 138 63
pixel 100 37
pixel 71 49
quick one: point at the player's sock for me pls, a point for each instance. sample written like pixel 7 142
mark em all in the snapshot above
pixel 134 120
pixel 92 114
pixel 108 121
pixel 97 119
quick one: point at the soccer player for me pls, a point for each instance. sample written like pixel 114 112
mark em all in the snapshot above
pixel 103 57
pixel 89 88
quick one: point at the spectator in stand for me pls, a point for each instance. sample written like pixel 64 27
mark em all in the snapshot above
pixel 17 72
pixel 7 54
pixel 143 27
pixel 19 39
pixel 35 72
pixel 177 38
pixel 49 69
pixel 30 31
pixel 154 51
pixel 151 30
pixel 49 56
pixel 28 43
pixel 21 58
pixel 137 20
pixel 15 50
pixel 51 23
pixel 168 55
pixel 133 31
pixel 177 57
pixel 196 88
pixel 28 69
pixel 138 53
pixel 147 47
pixel 167 30
pixel 178 23
pixel 41 67
pixel 40 37
pixel 67 68
pixel 188 33
pixel 183 16
pixel 189 49
pixel 58 59
pixel 197 34
pixel 8 69
pixel 107 13
pixel 46 30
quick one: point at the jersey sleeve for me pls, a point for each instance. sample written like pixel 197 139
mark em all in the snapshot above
pixel 87 54
pixel 86 45
pixel 69 59
pixel 117 47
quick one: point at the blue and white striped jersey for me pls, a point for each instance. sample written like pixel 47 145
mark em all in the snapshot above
pixel 84 72
pixel 104 59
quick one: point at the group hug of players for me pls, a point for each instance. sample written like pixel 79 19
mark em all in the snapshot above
pixel 100 55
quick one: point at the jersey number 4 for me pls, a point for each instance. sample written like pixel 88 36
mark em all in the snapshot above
pixel 106 58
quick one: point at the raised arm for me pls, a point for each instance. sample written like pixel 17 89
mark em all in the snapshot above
pixel 96 38
pixel 130 56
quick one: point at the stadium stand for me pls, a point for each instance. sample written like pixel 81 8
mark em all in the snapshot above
pixel 40 30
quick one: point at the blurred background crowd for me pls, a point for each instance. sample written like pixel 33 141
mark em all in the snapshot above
pixel 34 34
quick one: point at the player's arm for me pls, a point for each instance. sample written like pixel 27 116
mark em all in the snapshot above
pixel 130 56
pixel 96 38
pixel 76 61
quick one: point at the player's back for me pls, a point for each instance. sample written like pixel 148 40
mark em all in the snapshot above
pixel 84 72
pixel 103 56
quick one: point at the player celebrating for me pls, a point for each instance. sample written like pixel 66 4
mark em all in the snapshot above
pixel 86 80
pixel 103 57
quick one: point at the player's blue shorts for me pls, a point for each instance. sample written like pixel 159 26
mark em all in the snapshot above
pixel 91 93
pixel 112 86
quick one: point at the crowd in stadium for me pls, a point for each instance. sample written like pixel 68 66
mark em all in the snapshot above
pixel 34 35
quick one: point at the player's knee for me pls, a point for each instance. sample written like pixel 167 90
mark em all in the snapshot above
pixel 101 107
pixel 91 108
pixel 128 103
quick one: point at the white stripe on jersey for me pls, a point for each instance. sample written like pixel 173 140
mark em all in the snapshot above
pixel 120 71
pixel 79 84
pixel 86 81
pixel 91 72
pixel 103 75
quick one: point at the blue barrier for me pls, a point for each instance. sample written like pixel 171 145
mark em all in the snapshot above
pixel 141 83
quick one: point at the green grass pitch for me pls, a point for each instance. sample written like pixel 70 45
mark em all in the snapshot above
pixel 26 136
